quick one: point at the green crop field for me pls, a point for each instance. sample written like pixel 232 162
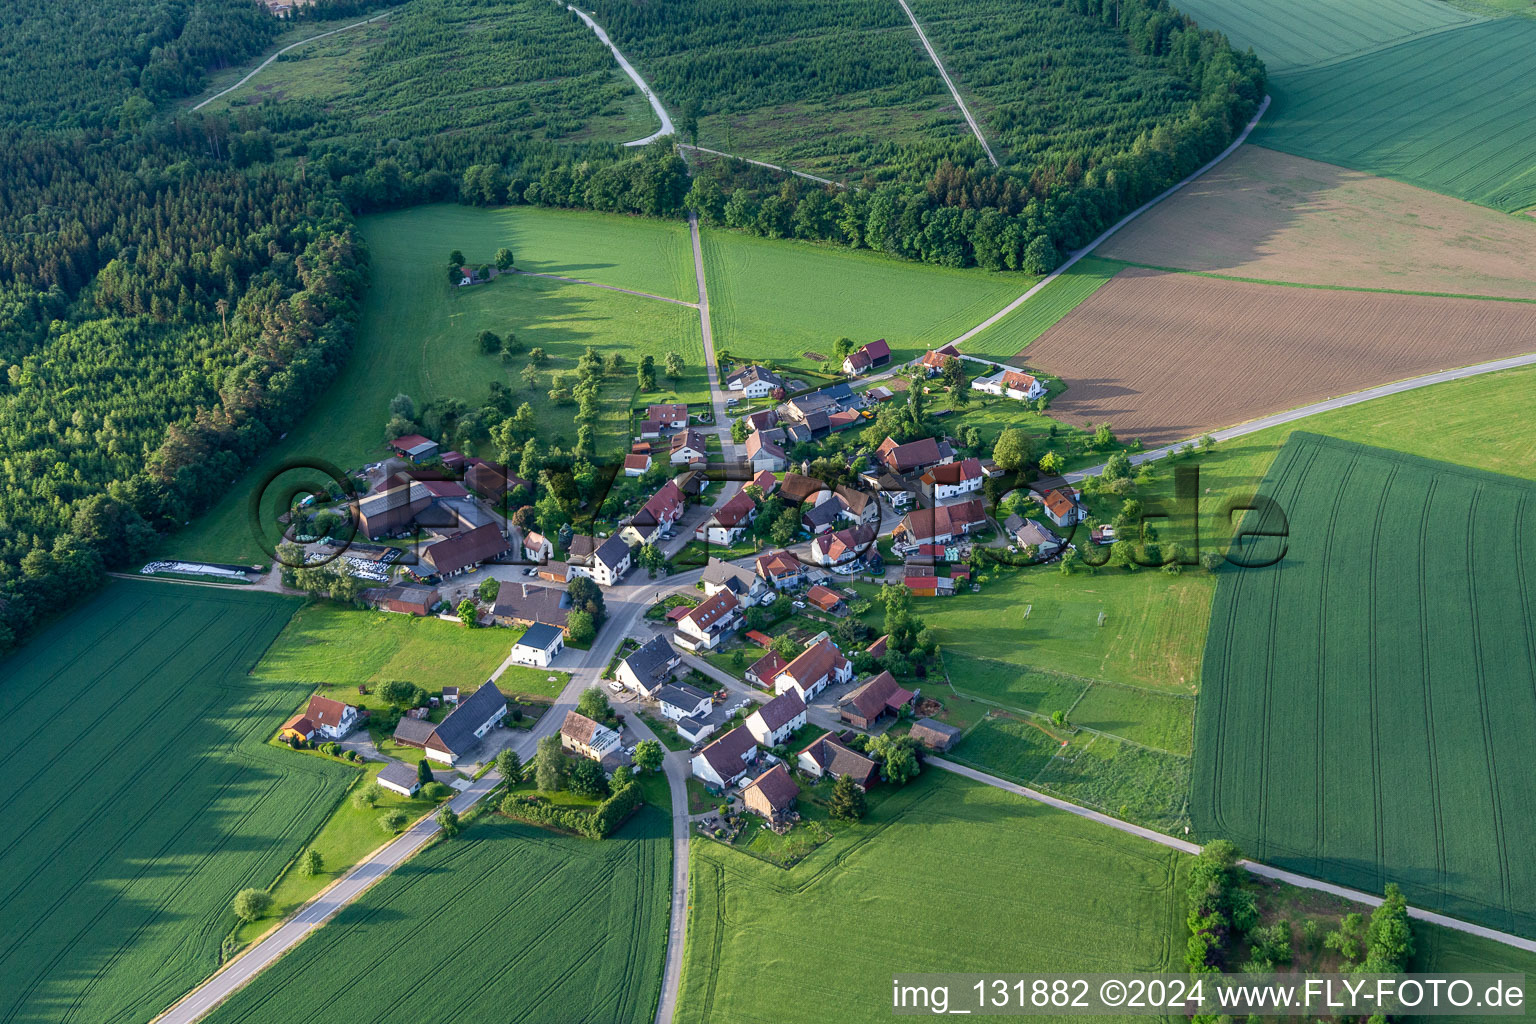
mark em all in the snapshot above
pixel 1367 707
pixel 1008 337
pixel 1448 112
pixel 1312 32
pixel 142 796
pixel 507 923
pixel 417 335
pixel 778 300
pixel 978 870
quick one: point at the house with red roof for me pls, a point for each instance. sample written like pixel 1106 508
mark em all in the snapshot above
pixel 871 702
pixel 818 666
pixel 952 479
pixel 727 523
pixel 637 464
pixel 913 456
pixel 709 622
pixel 659 513
pixel 1062 506
pixel 867 357
pixel 1010 383
pixel 939 525
pixel 933 360
pixel 671 416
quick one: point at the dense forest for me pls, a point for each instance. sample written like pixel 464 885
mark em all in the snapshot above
pixel 176 287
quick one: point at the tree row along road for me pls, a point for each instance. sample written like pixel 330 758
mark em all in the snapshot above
pixel 933 55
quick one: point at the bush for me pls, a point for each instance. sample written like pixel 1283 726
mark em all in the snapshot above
pixel 331 749
pixel 252 904
pixel 435 790
pixel 311 863
pixel 601 822
pixel 367 796
pixel 392 821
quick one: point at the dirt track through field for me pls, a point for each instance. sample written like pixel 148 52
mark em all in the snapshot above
pixel 1166 356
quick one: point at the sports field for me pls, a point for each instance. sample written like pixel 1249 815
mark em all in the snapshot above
pixel 1367 707
pixel 417 334
pixel 507 923
pixel 1310 32
pixel 1449 112
pixel 142 796
pixel 1271 216
pixel 1145 354
pixel 779 300
pixel 945 875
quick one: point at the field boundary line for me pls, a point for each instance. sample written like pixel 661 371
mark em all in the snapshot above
pixel 1252 867
pixel 608 287
pixel 1073 259
pixel 763 163
pixel 307 39
pixel 953 91
pixel 1302 412
pixel 1317 287
pixel 634 76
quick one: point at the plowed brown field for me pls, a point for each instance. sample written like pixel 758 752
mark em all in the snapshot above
pixel 1166 356
pixel 1276 217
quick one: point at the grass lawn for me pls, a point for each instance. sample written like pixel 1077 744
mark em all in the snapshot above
pixel 337 648
pixel 777 300
pixel 1008 337
pixel 144 796
pixel 417 332
pixel 991 416
pixel 979 862
pixel 347 837
pixel 556 923
pixel 1367 709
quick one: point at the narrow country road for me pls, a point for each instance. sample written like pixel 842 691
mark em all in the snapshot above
pixel 717 394
pixel 934 56
pixel 1263 870
pixel 634 76
pixel 238 972
pixel 291 46
pixel 1116 226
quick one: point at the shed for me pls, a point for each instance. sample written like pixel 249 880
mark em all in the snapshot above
pixel 935 735
pixel 399 777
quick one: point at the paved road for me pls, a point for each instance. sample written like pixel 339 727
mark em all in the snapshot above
pixel 760 163
pixel 1122 222
pixel 634 76
pixel 1264 870
pixel 314 914
pixel 609 287
pixel 258 69
pixel 933 55
pixel 1327 405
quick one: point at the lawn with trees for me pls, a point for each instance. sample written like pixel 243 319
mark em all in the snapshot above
pixel 136 818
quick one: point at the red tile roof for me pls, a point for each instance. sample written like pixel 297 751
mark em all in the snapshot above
pixel 325 711
pixel 823 598
pixel 711 610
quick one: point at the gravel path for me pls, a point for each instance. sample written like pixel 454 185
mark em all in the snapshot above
pixel 634 76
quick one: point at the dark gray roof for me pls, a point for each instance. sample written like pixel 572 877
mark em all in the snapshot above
pixel 724 572
pixel 414 730
pixel 399 773
pixel 457 732
pixel 649 663
pixel 540 636
pixel 822 515
pixel 931 733
pixel 781 710
pixel 681 695
pixel 612 552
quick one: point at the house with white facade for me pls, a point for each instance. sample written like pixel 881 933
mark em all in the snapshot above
pixel 709 622
pixel 952 479
pixel 539 645
pixel 728 523
pixel 473 717
pixel 775 721
pixel 1010 383
pixel 818 666
pixel 584 737
pixel 726 760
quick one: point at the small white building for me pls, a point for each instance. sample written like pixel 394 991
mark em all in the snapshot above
pixel 608 564
pixel 1010 383
pixel 582 736
pixel 775 721
pixel 727 759
pixel 399 777
pixel 539 646
pixel 681 701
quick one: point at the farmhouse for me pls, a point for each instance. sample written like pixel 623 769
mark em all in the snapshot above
pixel 1062 506
pixel 935 735
pixel 727 759
pixel 537 547
pixel 688 447
pixel 755 382
pixel 648 669
pixel 683 701
pixel 539 646
pixel 952 479
pixel 331 718
pixel 771 793
pixel 583 737
pixel 797 489
pixel 608 563
pixel 637 464
pixel 413 447
pixel 818 666
pixel 764 455
pixel 1029 533
pixel 913 456
pixel 413 732
pixel 764 669
pixel 871 702
pixel 1010 383
pixel 830 756
pixel 933 360
pixel 728 522
pixel 842 546
pixel 465 551
pixel 773 723
pixel 781 569
pixel 390 511
pixel 399 777
pixel 523 604
pixel 867 357
pixel 406 599
pixel 856 505
pixel 749 590
pixel 488 479
pixel 938 525
pixel 298 727
pixel 658 515
pixel 709 622
pixel 466 724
